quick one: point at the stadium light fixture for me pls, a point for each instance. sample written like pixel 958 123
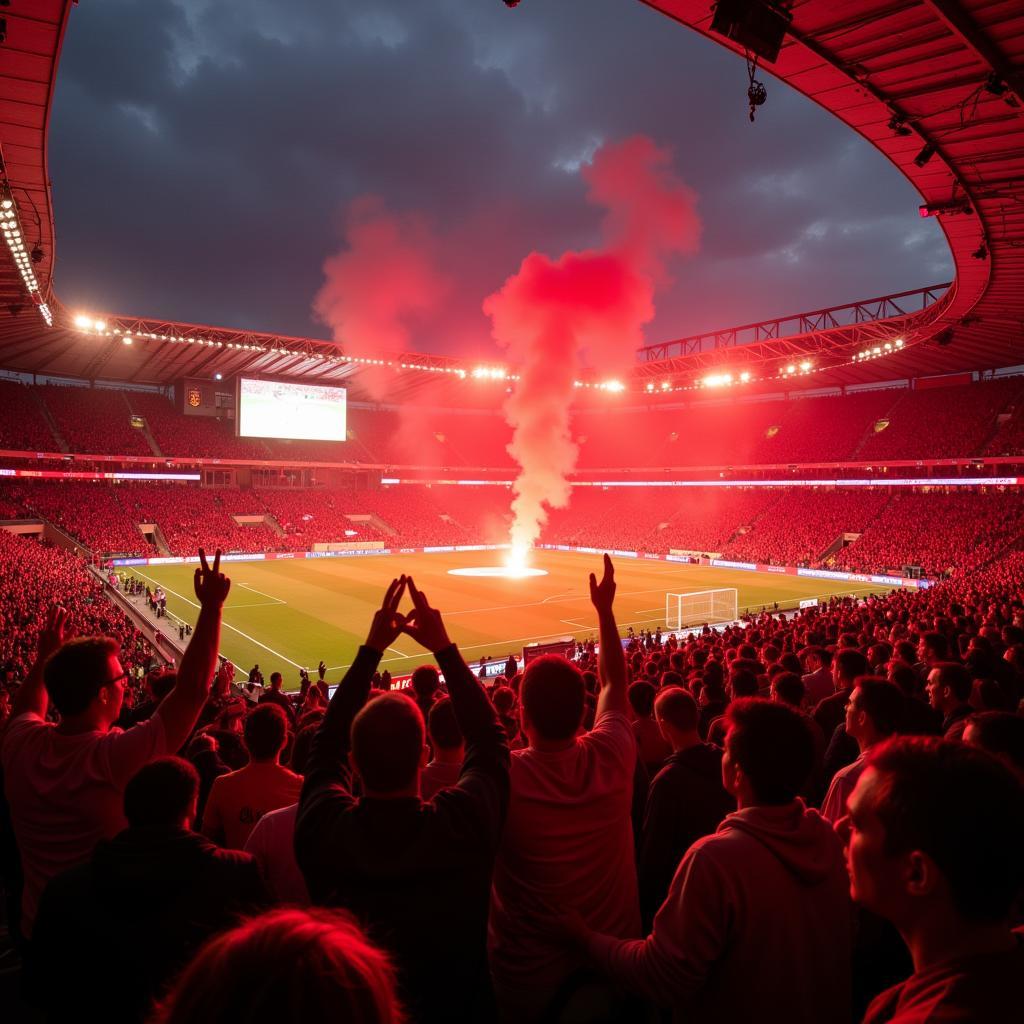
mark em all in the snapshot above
pixel 218 376
pixel 126 340
pixel 745 376
pixel 927 152
pixel 949 209
pixel 898 126
pixel 898 343
pixel 805 366
pixel 791 368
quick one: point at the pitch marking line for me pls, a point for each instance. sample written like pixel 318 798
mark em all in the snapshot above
pixel 227 625
pixel 270 597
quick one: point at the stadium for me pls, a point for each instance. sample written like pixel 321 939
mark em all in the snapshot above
pixel 775 497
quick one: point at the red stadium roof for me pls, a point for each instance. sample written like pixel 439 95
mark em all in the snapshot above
pixel 938 66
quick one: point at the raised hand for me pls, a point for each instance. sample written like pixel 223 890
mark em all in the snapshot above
pixel 602 594
pixel 57 630
pixel 211 585
pixel 424 624
pixel 387 622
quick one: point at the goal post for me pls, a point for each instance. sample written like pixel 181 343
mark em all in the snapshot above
pixel 697 607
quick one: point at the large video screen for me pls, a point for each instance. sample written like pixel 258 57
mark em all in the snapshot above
pixel 299 412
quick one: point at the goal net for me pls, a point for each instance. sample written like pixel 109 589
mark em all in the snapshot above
pixel 694 609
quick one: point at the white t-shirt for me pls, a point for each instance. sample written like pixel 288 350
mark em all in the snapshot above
pixel 568 842
pixel 272 843
pixel 67 792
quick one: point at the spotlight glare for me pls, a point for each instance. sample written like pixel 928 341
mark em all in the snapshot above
pixel 82 322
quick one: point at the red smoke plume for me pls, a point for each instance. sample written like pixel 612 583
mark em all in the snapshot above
pixel 591 305
pixel 385 280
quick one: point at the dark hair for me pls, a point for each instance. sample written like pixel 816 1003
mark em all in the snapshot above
pixel 851 663
pixel 552 697
pixel 161 682
pixel 302 748
pixel 161 793
pixel 387 742
pixel 504 699
pixel 312 964
pixel 955 676
pixel 962 808
pixel 77 671
pixel 641 698
pixel 773 745
pixel 276 677
pixel 1002 734
pixel 937 643
pixel 743 682
pixel 883 702
pixel 425 681
pixel 677 707
pixel 790 688
pixel 904 676
pixel 265 731
pixel 443 726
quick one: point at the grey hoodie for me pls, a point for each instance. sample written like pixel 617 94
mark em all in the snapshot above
pixel 757 926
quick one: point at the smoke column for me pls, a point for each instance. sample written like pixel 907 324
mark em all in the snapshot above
pixel 384 279
pixel 553 315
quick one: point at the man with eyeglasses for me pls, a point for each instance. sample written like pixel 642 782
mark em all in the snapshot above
pixel 65 781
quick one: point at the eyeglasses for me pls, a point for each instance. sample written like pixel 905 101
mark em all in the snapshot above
pixel 116 679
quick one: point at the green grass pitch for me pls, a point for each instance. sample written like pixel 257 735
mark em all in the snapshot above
pixel 289 614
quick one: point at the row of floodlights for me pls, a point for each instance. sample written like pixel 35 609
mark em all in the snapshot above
pixel 21 256
pixel 879 350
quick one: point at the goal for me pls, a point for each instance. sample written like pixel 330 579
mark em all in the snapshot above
pixel 696 608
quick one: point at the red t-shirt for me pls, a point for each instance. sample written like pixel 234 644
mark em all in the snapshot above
pixel 67 792
pixel 973 990
pixel 568 842
pixel 239 799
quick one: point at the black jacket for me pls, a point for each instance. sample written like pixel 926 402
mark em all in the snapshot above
pixel 417 875
pixel 115 930
pixel 687 800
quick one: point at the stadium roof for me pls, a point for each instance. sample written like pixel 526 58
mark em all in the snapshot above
pixel 905 74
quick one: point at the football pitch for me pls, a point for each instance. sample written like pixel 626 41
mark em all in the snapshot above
pixel 288 614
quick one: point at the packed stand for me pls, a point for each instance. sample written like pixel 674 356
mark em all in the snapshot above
pixel 179 435
pixel 87 511
pixel 629 834
pixel 413 514
pixel 311 517
pixel 943 533
pixel 921 427
pixel 1009 437
pixel 802 523
pixel 22 426
pixel 827 429
pixel 94 420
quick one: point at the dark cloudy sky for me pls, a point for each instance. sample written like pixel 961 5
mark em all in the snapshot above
pixel 202 153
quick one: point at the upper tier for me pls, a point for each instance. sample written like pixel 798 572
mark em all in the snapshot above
pixel 954 421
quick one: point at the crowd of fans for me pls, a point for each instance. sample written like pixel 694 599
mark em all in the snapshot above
pixel 628 833
pixel 709 430
pixel 94 420
pixel 941 532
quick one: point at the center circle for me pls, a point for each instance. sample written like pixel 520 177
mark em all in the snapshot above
pixel 498 570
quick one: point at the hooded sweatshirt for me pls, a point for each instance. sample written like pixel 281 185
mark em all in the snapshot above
pixel 758 922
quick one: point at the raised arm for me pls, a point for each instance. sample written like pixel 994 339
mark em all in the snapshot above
pixel 328 762
pixel 180 709
pixel 31 697
pixel 486 743
pixel 611 662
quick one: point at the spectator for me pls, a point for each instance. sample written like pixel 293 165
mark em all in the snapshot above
pixel 145 900
pixel 1002 735
pixel 949 692
pixel 425 685
pixel 951 900
pixel 314 966
pixel 651 744
pixel 448 746
pixel 874 713
pixel 65 782
pixel 275 696
pixel 418 873
pixel 818 680
pixel 758 914
pixel 272 840
pixel 239 799
pixel 687 799
pixel 570 793
pixel 847 666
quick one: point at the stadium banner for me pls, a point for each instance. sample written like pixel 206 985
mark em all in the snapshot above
pixel 724 563
pixel 346 554
pixel 688 559
pixel 438 550
pixel 859 577
pixel 784 569
pixel 55 474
